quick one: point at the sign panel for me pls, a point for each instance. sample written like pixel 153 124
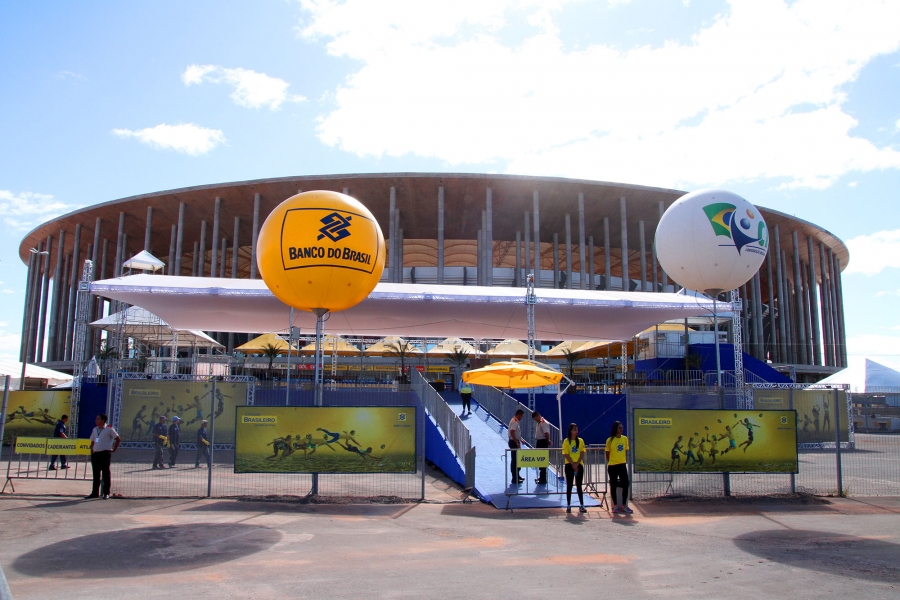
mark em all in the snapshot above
pixel 145 400
pixel 35 413
pixel 325 439
pixel 815 412
pixel 538 458
pixel 715 441
pixel 68 447
pixel 31 445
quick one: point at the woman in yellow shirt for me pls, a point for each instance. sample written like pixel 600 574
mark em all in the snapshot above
pixel 573 451
pixel 616 459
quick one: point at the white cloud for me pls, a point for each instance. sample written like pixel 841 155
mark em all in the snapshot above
pixel 9 291
pixel 884 349
pixel 853 184
pixel 23 210
pixel 251 89
pixel 871 254
pixel 757 94
pixel 185 137
pixel 10 344
pixel 888 293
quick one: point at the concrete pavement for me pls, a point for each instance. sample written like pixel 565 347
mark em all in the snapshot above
pixel 798 548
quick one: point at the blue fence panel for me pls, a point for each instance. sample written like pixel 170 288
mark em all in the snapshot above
pixel 594 413
pixel 92 403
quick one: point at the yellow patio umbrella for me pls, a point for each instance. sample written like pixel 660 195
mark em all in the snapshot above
pixel 519 375
pixel 514 375
pixel 258 345
pixel 332 344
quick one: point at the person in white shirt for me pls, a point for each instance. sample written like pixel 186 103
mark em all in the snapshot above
pixel 541 440
pixel 104 441
pixel 515 442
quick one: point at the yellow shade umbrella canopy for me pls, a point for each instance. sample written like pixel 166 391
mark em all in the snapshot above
pixel 259 344
pixel 515 375
pixel 387 347
pixel 332 344
pixel 511 348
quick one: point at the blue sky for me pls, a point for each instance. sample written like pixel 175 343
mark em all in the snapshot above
pixel 792 105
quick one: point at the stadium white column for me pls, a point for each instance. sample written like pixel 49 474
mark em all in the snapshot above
pixel 643 242
pixel 591 267
pixel 235 247
pixel 179 242
pixel 517 273
pixel 440 237
pixel 392 234
pixel 489 238
pixel 117 268
pixel 836 312
pixel 73 295
pixel 814 302
pixel 555 260
pixel 214 247
pixel 222 257
pixel 568 252
pixel 482 250
pixel 27 317
pixel 828 346
pixel 148 228
pixel 606 261
pixel 399 250
pixel 789 317
pixel 758 317
pixel 194 261
pixel 782 304
pixel 45 294
pixel 798 292
pixel 201 252
pixel 808 297
pixel 839 295
pixel 537 239
pixel 527 245
pixel 582 284
pixel 626 275
pixel 773 326
pixel 254 236
pixel 172 241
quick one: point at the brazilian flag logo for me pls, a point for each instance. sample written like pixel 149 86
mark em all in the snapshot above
pixel 725 221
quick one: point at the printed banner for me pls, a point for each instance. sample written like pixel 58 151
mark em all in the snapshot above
pixel 815 412
pixel 353 439
pixel 35 413
pixel 715 441
pixel 145 400
pixel 68 447
pixel 31 445
pixel 539 458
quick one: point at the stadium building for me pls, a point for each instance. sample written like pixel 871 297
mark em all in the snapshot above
pixel 451 229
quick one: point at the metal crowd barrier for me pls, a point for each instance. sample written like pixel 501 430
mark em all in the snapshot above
pixel 594 482
pixel 502 407
pixel 445 417
pixel 36 466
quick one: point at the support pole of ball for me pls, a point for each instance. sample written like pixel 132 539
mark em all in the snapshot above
pixel 715 295
pixel 319 384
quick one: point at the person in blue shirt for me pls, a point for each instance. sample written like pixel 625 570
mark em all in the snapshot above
pixel 60 431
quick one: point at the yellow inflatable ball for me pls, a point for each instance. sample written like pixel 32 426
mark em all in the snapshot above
pixel 320 250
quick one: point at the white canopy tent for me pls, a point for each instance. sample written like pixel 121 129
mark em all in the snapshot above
pixel 866 376
pixel 247 305
pixel 143 261
pixel 13 368
pixel 146 327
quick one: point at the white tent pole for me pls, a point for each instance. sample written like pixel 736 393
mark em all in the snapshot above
pixel 287 398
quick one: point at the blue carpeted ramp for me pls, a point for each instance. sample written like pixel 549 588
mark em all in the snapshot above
pixel 490 440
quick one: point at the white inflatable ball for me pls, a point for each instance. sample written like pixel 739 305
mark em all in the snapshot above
pixel 711 241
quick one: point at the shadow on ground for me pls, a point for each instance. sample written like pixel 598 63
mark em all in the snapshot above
pixel 833 553
pixel 147 550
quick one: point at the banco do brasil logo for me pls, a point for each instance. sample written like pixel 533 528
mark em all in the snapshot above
pixel 335 227
pixel 742 230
